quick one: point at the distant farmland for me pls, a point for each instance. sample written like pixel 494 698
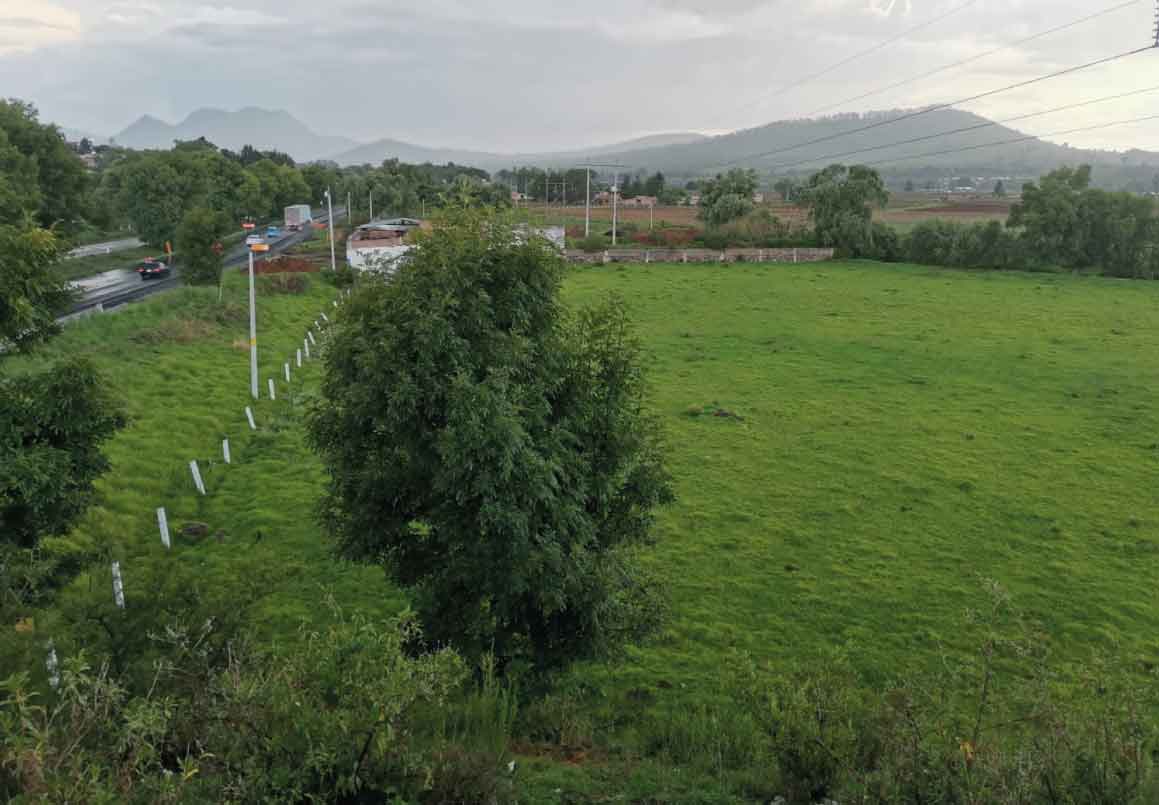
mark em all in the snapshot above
pixel 903 211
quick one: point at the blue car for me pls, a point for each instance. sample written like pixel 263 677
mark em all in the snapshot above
pixel 273 232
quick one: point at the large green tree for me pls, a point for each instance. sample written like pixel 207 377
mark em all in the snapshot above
pixel 728 198
pixel 52 422
pixel 39 173
pixel 491 448
pixel 840 200
pixel 199 247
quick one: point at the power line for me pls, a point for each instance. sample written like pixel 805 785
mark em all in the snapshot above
pixel 937 107
pixel 965 129
pixel 979 57
pixel 1014 141
pixel 861 54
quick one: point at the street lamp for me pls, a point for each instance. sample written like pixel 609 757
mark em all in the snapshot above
pixel 256 247
pixel 330 226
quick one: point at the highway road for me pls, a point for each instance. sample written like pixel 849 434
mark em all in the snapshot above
pixel 113 288
pixel 108 247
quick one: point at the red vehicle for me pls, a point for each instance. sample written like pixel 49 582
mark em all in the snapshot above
pixel 151 268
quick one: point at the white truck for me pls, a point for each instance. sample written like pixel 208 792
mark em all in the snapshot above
pixel 298 216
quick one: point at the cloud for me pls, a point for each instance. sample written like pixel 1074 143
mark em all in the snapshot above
pixel 519 75
pixel 27 26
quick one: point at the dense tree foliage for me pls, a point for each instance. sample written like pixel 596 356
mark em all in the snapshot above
pixel 39 173
pixel 727 198
pixel 1064 221
pixel 840 200
pixel 199 247
pixel 31 296
pixel 52 423
pixel 491 448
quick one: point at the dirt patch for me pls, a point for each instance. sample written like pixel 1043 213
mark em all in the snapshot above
pixel 284 264
pixel 284 283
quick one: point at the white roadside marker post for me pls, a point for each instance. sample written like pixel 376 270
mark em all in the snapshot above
pixel 299 359
pixel 52 665
pixel 163 525
pixel 249 414
pixel 273 393
pixel 118 586
pixel 193 468
pixel 306 344
pixel 286 366
pixel 225 451
pixel 325 318
pixel 311 335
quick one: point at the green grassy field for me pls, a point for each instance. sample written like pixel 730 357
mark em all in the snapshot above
pixel 855 448
pixel 180 362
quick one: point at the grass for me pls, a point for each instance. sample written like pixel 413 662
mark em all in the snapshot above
pixel 854 447
pixel 180 362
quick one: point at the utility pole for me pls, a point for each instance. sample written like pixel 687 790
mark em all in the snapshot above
pixel 588 197
pixel 546 195
pixel 372 204
pixel 1157 23
pixel 350 208
pixel 651 217
pixel 588 207
pixel 615 204
pixel 330 227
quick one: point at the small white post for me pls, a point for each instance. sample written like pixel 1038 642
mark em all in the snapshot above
pixel 317 326
pixel 118 586
pixel 273 393
pixel 249 414
pixel 193 468
pixel 163 524
pixel 311 336
pixel 52 666
pixel 325 317
pixel 334 302
pixel 286 366
pixel 306 344
pixel 299 359
pixel 225 451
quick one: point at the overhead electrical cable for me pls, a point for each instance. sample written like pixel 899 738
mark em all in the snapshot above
pixel 860 54
pixel 937 107
pixel 1013 141
pixel 972 59
pixel 964 129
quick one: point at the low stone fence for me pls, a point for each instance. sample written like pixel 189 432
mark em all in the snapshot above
pixel 797 255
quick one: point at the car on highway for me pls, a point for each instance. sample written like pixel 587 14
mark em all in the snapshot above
pixel 254 239
pixel 273 232
pixel 151 268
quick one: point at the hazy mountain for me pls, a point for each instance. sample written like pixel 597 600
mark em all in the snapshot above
pixel 262 128
pixel 374 153
pixel 750 148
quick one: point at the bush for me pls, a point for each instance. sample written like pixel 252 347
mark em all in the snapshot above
pixel 592 244
pixel 347 713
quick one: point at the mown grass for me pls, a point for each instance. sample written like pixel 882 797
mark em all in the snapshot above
pixel 896 434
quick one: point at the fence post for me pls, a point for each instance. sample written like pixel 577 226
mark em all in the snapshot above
pixel 118 586
pixel 163 525
pixel 196 471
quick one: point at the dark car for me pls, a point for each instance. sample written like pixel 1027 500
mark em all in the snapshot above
pixel 151 269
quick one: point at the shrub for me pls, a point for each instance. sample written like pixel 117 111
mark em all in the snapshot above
pixel 592 244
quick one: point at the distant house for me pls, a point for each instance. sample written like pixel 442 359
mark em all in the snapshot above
pixel 639 201
pixel 602 198
pixel 694 200
pixel 758 198
pixel 379 245
pixel 517 197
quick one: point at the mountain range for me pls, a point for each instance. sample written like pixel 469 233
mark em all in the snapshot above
pixel 939 141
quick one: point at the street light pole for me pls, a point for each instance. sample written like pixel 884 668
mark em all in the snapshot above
pixel 615 204
pixel 253 333
pixel 372 204
pixel 588 207
pixel 330 226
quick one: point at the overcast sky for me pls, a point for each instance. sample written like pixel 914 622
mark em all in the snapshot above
pixel 513 75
